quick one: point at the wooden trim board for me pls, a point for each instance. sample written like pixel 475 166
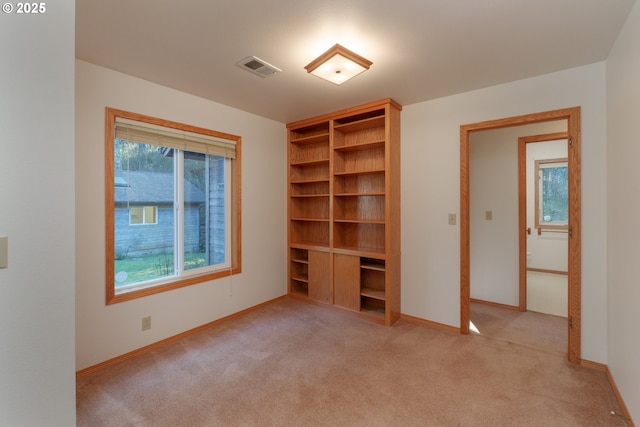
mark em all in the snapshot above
pixel 496 304
pixel 604 368
pixel 429 323
pixel 625 411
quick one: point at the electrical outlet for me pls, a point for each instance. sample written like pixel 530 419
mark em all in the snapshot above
pixel 146 323
pixel 4 251
pixel 452 219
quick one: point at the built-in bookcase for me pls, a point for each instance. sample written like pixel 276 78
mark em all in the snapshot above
pixel 344 209
pixel 309 186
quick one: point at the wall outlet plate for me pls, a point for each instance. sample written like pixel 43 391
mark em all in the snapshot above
pixel 4 251
pixel 146 323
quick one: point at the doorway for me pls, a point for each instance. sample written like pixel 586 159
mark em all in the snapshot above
pixel 543 223
pixel 572 117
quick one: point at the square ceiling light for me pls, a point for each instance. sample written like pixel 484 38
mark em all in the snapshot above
pixel 338 65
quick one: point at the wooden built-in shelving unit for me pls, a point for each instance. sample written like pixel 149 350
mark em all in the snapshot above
pixel 344 209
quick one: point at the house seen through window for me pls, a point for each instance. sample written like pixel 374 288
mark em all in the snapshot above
pixel 175 210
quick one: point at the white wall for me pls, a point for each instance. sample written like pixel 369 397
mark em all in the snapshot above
pixel 104 332
pixel 547 293
pixel 431 190
pixel 623 210
pixel 493 187
pixel 37 381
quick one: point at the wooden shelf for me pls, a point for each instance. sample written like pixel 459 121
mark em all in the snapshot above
pixel 359 251
pixel 357 194
pixel 309 181
pixel 372 293
pixel 300 279
pixel 360 146
pixel 312 139
pixel 310 195
pixel 311 189
pixel 344 210
pixel 362 172
pixel 299 289
pixel 374 308
pixel 374 313
pixel 310 162
pixel 359 125
pixel 359 184
pixel 375 266
pixel 358 221
pixel 310 246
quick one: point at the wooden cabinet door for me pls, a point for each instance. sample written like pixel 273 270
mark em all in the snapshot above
pixel 346 281
pixel 319 276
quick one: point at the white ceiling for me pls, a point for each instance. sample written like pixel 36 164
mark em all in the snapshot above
pixel 421 49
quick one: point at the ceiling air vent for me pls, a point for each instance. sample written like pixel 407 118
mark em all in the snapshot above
pixel 259 67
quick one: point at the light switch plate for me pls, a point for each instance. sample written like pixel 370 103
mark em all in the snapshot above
pixel 452 219
pixel 4 251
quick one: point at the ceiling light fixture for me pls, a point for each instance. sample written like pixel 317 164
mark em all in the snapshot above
pixel 338 65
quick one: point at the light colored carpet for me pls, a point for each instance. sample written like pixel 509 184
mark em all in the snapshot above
pixel 542 331
pixel 295 364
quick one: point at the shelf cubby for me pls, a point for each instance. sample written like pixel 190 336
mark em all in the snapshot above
pixel 316 208
pixel 359 236
pixel 359 161
pixel 361 121
pixel 300 256
pixel 310 188
pixel 299 272
pixel 306 153
pixel 359 208
pixel 372 279
pixel 310 134
pixel 359 184
pixel 297 287
pixel 373 307
pixel 310 233
pixel 312 172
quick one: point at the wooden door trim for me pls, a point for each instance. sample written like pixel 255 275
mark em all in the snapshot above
pixel 572 115
pixel 522 208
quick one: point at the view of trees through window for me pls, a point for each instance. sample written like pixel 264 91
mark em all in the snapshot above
pixel 554 180
pixel 178 240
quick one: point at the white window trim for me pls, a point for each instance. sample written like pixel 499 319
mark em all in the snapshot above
pixel 144 215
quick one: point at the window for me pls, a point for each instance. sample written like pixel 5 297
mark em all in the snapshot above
pixel 552 193
pixel 139 215
pixel 173 205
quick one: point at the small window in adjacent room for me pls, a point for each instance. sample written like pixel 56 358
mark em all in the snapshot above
pixel 139 215
pixel 552 193
pixel 173 205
